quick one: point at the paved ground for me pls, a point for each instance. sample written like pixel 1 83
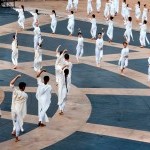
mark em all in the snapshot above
pixel 104 110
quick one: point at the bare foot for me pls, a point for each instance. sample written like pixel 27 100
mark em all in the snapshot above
pixel 17 139
pixel 61 113
pixel 42 125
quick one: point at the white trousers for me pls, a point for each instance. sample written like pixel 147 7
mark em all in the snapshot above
pixel 21 21
pixel 62 106
pixel 70 28
pixel 14 58
pixel 69 6
pixel 53 26
pixel 123 63
pixel 37 41
pixel 79 51
pixel 110 33
pixel 93 32
pixel 99 55
pixel 149 73
pixel 89 9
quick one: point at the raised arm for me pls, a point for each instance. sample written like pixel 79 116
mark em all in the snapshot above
pixel 39 74
pixel 58 48
pixel 14 80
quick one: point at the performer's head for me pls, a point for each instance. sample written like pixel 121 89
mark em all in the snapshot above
pixel 99 35
pixel 139 3
pixel 36 11
pixel 79 34
pixel 125 44
pixel 145 5
pixel 111 17
pixel 72 12
pixel 46 79
pixel 22 6
pixel 145 22
pixel 66 56
pixel 53 12
pixel 93 16
pixel 130 19
pixel 22 86
pixel 14 37
pixel 124 1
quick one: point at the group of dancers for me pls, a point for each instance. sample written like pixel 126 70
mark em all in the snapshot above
pixel 63 66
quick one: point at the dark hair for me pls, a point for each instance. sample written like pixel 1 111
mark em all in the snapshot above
pixel 14 36
pixel 46 79
pixel 54 12
pixel 99 33
pixel 66 72
pixel 22 7
pixel 144 5
pixel 130 18
pixel 60 52
pixel 127 5
pixel 93 15
pixel 22 86
pixel 79 33
pixel 72 12
pixel 37 11
pixel 145 22
pixel 124 1
pixel 125 43
pixel 111 17
pixel 66 56
pixel 139 3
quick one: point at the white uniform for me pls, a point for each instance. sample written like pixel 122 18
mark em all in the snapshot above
pixel 71 23
pixel 149 69
pixel 89 7
pixel 123 10
pixel 37 37
pixel 144 14
pixel 35 19
pixel 112 8
pixel 106 10
pixel 123 61
pixel 18 107
pixel 110 29
pixel 137 11
pixel 98 5
pixel 143 38
pixel 99 50
pixel 75 4
pixel 14 55
pixel 21 17
pixel 53 22
pixel 127 12
pixel 93 27
pixel 69 5
pixel 63 89
pixel 128 32
pixel 38 60
pixel 79 48
pixel 43 96
pixel 116 5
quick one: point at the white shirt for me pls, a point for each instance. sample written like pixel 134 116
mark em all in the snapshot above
pixel 124 52
pixel 37 31
pixel 80 41
pixel 99 44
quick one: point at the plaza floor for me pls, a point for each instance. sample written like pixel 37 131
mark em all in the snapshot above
pixel 104 111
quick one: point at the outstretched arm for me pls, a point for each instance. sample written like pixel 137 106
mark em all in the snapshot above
pixel 39 74
pixel 14 80
pixel 57 48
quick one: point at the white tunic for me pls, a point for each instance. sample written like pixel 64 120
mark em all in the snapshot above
pixel 144 15
pixel 43 96
pixel 79 47
pixel 106 10
pixel 93 27
pixel 98 5
pixel 137 11
pixel 110 29
pixel 128 32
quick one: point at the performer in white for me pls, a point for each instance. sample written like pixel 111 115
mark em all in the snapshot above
pixel 112 8
pixel 127 12
pixel 21 17
pixel 137 11
pixel 35 17
pixel 110 28
pixel 69 5
pixel 123 61
pixel 106 10
pixel 128 32
pixel 71 23
pixel 123 10
pixel 143 38
pixel 99 49
pixel 75 4
pixel 43 96
pixel 116 5
pixel 149 69
pixel 14 55
pixel 53 21
pixel 145 13
pixel 38 58
pixel 93 26
pixel 98 5
pixel 58 63
pixel 18 106
pixel 37 36
pixel 79 48
pixel 89 7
